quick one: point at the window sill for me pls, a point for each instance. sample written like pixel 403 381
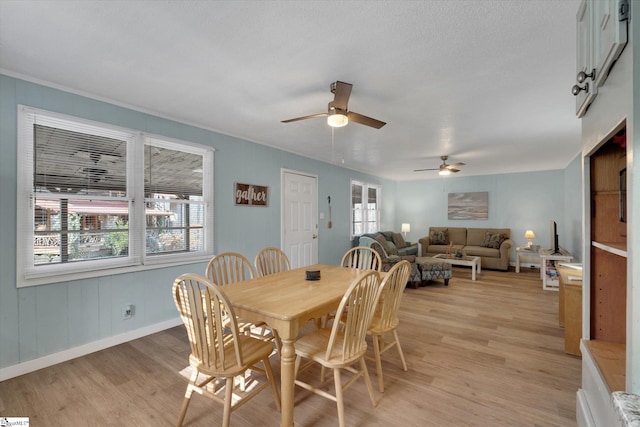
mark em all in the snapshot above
pixel 68 277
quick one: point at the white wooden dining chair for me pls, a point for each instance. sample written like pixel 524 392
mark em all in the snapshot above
pixel 231 267
pixel 218 349
pixel 271 260
pixel 385 318
pixel 362 257
pixel 344 345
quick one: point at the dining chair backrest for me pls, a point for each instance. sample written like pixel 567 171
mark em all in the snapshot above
pixel 271 260
pixel 229 267
pixel 392 289
pixel 356 309
pixel 362 257
pixel 210 322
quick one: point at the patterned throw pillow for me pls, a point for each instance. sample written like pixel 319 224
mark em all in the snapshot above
pixel 383 242
pixel 439 237
pixel 376 247
pixel 398 240
pixel 492 240
pixel 393 250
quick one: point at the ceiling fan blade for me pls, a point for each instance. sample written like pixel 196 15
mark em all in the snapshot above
pixel 364 120
pixel 453 170
pixel 313 116
pixel 455 165
pixel 342 93
pixel 420 170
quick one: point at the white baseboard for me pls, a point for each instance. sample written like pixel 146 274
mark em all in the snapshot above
pixel 72 353
pixel 525 265
pixel 583 413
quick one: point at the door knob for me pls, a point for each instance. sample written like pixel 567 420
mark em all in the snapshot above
pixel 315 236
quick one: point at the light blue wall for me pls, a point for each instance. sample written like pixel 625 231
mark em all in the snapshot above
pixel 572 226
pixel 519 201
pixel 43 320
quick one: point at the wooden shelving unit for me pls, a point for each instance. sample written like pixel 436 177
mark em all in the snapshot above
pixel 610 358
pixel 608 298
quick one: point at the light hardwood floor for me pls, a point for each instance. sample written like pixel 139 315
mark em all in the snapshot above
pixel 483 353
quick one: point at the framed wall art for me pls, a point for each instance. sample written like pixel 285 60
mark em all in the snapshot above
pixel 250 195
pixel 468 205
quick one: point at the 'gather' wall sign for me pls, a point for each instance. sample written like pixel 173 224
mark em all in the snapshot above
pixel 251 195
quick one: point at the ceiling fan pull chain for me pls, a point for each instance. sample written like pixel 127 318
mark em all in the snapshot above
pixel 332 136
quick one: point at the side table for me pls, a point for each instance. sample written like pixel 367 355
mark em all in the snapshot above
pixel 524 252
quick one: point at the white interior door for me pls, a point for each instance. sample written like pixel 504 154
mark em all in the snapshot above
pixel 300 218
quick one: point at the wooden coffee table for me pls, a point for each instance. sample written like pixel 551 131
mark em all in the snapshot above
pixel 470 261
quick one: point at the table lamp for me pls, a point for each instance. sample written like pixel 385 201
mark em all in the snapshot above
pixel 406 228
pixel 529 234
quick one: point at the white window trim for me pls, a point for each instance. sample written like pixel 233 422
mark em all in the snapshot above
pixel 365 188
pixel 29 275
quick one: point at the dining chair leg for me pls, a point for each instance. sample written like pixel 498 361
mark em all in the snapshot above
pixel 187 397
pixel 228 396
pixel 400 353
pixel 378 356
pixel 339 400
pixel 367 380
pixel 271 378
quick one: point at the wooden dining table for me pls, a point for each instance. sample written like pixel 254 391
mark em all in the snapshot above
pixel 286 301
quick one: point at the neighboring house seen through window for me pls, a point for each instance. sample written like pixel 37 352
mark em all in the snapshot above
pixel 365 208
pixel 93 198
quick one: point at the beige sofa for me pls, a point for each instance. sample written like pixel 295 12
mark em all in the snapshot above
pixel 492 245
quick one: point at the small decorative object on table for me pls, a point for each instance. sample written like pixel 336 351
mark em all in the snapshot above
pixel 450 252
pixel 313 275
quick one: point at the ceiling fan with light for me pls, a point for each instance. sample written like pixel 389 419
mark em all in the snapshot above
pixel 444 168
pixel 337 114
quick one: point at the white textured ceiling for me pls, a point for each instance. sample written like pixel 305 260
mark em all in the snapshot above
pixel 485 82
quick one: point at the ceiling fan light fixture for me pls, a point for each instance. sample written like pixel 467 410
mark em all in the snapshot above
pixel 337 120
pixel 444 172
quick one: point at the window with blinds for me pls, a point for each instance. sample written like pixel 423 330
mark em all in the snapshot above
pixel 365 208
pixel 93 198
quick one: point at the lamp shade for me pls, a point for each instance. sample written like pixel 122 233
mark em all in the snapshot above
pixel 529 234
pixel 406 228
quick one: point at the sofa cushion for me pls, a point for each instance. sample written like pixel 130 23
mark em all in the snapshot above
pixel 492 240
pixel 457 235
pixel 475 236
pixel 409 250
pixel 393 250
pixel 480 251
pixel 439 237
pixel 385 244
pixel 387 235
pixel 398 240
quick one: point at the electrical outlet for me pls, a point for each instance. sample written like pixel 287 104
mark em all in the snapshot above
pixel 127 311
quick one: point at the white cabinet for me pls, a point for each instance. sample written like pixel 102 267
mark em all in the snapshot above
pixel 584 58
pixel 601 27
pixel 610 19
